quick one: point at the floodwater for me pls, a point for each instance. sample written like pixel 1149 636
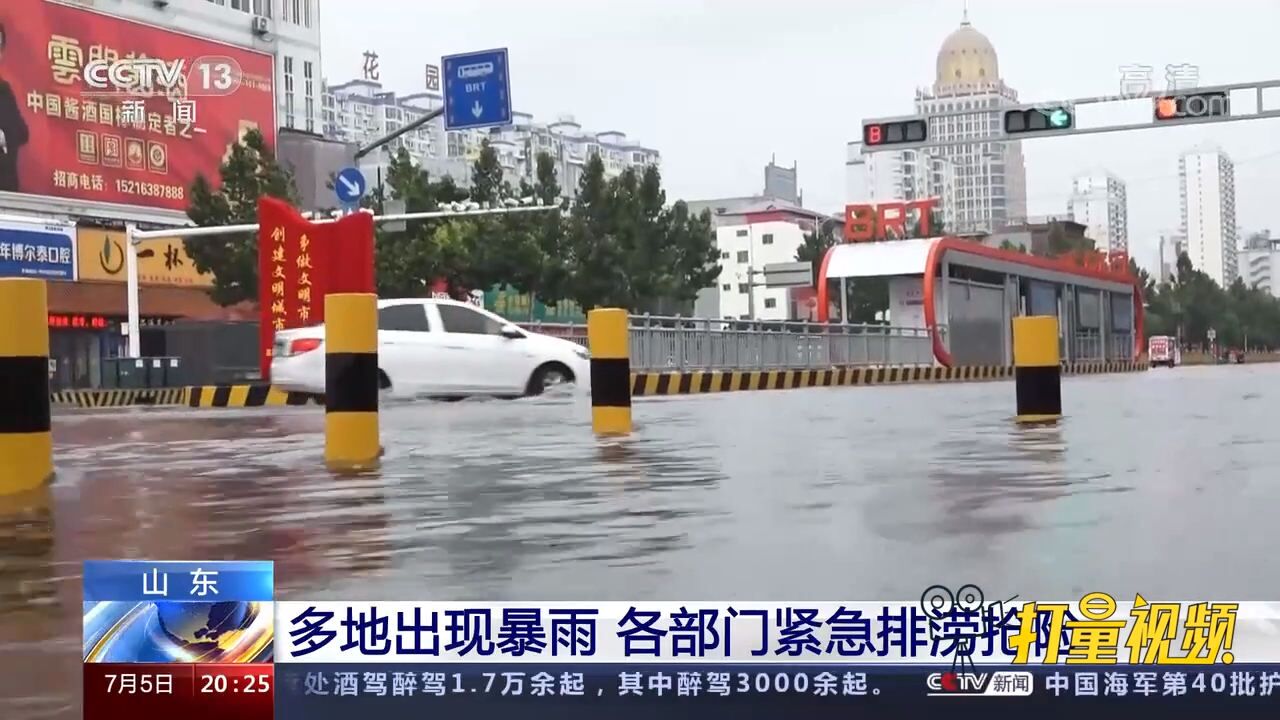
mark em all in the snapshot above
pixel 1162 482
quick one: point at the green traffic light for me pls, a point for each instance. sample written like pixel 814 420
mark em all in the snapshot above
pixel 1059 118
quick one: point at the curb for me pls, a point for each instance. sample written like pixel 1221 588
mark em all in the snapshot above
pixel 709 381
pixel 642 384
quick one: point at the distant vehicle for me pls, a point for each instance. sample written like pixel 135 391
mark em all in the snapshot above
pixel 440 348
pixel 1164 350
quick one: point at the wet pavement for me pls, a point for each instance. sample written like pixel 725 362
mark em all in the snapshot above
pixel 1162 482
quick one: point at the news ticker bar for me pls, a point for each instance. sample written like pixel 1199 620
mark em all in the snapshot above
pixel 912 132
pixel 391 692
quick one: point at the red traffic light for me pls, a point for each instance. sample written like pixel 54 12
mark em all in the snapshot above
pixel 1195 105
pixel 894 133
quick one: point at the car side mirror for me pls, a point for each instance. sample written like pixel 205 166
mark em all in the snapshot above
pixel 511 332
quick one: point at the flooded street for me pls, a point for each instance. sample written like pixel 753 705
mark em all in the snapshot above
pixel 1162 482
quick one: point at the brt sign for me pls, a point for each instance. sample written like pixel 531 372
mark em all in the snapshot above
pixel 887 221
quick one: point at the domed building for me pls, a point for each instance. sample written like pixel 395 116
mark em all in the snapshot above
pixel 982 186
pixel 990 179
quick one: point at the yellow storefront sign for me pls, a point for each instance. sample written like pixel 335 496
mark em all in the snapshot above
pixel 161 261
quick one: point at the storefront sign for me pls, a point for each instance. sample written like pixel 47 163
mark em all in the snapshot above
pixel 161 261
pixel 77 321
pixel 38 250
pixel 108 109
pixel 888 221
pixel 300 261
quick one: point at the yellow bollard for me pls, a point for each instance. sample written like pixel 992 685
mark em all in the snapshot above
pixel 351 382
pixel 26 443
pixel 608 338
pixel 1037 370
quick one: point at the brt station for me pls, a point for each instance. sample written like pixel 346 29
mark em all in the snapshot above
pixel 961 298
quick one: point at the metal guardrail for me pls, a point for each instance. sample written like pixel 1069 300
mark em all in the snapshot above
pixel 1088 347
pixel 678 343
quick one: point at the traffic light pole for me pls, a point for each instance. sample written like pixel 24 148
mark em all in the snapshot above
pixel 1215 113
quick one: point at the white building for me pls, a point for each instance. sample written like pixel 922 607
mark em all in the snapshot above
pixel 1171 245
pixel 1208 197
pixel 1260 262
pixel 904 176
pixel 1098 202
pixel 744 251
pixel 988 189
pixel 361 111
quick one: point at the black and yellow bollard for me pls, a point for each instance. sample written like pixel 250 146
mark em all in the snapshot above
pixel 608 340
pixel 26 443
pixel 351 382
pixel 1037 370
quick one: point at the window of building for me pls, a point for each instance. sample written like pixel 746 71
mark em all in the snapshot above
pixel 306 9
pixel 742 233
pixel 744 256
pixel 742 288
pixel 770 302
pixel 262 7
pixel 411 317
pixel 241 5
pixel 308 76
pixel 311 115
pixel 724 255
pixel 726 287
pixel 767 239
pixel 459 319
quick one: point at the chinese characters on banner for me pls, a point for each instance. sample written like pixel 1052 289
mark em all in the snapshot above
pixel 300 261
pixel 101 108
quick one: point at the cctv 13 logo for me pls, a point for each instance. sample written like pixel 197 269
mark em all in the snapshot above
pixel 1005 683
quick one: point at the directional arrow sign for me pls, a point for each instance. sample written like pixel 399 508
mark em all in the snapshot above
pixel 477 90
pixel 350 185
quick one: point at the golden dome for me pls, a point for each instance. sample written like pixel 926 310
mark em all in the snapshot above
pixel 967 57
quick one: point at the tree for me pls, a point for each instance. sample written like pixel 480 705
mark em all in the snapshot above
pixel 408 259
pixel 248 173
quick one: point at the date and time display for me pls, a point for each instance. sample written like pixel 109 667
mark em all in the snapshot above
pixel 193 692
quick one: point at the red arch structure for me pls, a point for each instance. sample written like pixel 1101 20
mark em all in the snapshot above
pixel 1085 271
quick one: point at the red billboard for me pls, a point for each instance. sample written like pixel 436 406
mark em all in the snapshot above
pixel 300 261
pixel 95 107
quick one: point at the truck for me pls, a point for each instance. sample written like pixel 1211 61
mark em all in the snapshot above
pixel 1164 350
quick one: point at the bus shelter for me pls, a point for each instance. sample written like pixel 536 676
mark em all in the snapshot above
pixel 966 295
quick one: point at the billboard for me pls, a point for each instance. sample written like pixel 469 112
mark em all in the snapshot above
pixel 37 250
pixel 95 107
pixel 161 261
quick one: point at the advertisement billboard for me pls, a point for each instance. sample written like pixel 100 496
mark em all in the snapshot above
pixel 161 261
pixel 95 107
pixel 37 250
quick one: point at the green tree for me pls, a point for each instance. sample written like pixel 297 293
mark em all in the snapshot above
pixel 249 172
pixel 408 259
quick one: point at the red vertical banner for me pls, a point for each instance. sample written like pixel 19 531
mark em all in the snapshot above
pixel 300 261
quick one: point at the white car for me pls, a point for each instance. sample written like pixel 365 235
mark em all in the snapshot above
pixel 440 348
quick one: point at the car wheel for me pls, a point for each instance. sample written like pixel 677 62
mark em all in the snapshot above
pixel 548 376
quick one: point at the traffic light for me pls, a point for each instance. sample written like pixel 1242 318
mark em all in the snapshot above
pixel 1197 105
pixel 894 133
pixel 1038 120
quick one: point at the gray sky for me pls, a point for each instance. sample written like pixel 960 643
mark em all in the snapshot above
pixel 718 86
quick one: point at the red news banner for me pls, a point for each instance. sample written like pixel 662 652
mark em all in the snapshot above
pixel 75 134
pixel 299 262
pixel 139 691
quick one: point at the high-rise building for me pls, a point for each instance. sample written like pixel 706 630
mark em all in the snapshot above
pixel 360 111
pixel 1208 197
pixel 982 185
pixel 1260 261
pixel 1098 202
pixel 1171 245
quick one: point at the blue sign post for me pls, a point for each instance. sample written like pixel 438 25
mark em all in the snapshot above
pixel 350 186
pixel 477 90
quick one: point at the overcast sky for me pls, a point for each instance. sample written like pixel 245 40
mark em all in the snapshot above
pixel 720 86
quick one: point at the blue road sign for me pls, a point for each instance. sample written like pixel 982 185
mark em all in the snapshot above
pixel 350 185
pixel 477 90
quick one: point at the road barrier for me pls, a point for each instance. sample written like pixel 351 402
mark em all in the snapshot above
pixel 351 381
pixel 1037 371
pixel 607 338
pixel 642 384
pixel 26 440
